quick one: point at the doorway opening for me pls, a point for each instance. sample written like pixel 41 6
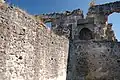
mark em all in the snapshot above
pixel 85 34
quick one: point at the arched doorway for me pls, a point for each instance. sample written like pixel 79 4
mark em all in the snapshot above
pixel 85 34
pixel 115 20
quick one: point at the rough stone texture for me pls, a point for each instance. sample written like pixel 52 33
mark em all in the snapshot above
pixel 100 14
pixel 94 60
pixel 96 21
pixel 84 48
pixel 62 22
pixel 93 49
pixel 29 51
pixel 106 9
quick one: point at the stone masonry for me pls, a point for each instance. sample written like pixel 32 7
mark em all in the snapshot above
pixel 93 49
pixel 76 47
pixel 28 51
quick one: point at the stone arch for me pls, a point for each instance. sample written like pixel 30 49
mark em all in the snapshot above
pixel 85 34
pixel 113 18
pixel 49 24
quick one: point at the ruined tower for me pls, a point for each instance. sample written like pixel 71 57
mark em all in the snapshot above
pixel 93 48
pixel 76 48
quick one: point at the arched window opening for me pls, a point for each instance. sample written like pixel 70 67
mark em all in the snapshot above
pixel 115 20
pixel 85 34
pixel 49 25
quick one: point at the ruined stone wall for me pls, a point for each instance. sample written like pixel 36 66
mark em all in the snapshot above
pixel 61 22
pixel 106 9
pixel 64 24
pixel 94 60
pixel 100 14
pixel 29 51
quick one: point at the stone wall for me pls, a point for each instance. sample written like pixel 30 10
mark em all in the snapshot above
pixel 62 22
pixel 100 14
pixel 94 60
pixel 106 9
pixel 28 51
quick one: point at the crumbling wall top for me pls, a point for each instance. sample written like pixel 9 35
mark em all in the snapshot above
pixel 106 9
pixel 52 16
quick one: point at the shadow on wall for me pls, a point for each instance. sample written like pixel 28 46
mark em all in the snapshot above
pixel 85 34
pixel 115 20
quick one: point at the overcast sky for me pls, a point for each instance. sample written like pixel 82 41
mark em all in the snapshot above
pixel 47 6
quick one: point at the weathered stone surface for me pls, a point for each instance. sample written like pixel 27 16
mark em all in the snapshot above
pixel 84 48
pixel 107 8
pixel 29 51
pixel 100 14
pixel 94 60
pixel 95 21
